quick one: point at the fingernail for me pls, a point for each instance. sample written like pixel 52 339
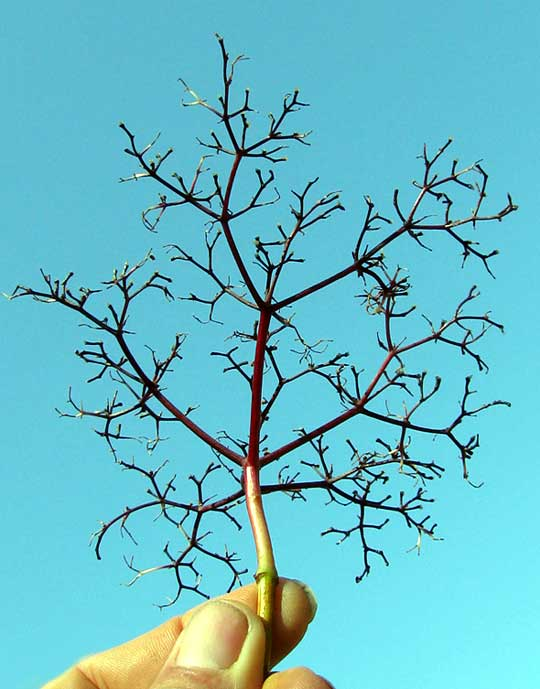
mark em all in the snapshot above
pixel 310 596
pixel 312 600
pixel 213 638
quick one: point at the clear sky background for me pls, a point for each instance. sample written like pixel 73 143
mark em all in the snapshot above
pixel 382 79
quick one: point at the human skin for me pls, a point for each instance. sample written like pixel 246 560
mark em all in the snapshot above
pixel 211 653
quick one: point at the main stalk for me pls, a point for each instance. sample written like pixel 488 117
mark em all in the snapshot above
pixel 266 575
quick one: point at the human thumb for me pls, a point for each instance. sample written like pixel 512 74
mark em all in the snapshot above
pixel 221 647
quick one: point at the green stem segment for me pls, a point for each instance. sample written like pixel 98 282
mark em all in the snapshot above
pixel 266 574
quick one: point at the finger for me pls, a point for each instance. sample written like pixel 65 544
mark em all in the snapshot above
pixel 135 664
pixel 296 678
pixel 72 679
pixel 221 647
pixel 294 608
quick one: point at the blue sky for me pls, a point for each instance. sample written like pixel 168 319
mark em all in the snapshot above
pixel 381 80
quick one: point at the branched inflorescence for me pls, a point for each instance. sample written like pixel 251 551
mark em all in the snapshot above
pixel 388 389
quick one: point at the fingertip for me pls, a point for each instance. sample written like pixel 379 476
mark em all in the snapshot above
pixel 295 609
pixel 222 645
pixel 296 678
pixel 295 592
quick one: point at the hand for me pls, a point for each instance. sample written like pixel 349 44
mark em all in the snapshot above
pixel 217 645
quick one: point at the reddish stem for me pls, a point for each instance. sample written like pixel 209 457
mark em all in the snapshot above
pixel 224 221
pixel 333 423
pixel 266 575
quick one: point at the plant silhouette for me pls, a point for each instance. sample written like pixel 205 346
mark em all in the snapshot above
pixel 256 274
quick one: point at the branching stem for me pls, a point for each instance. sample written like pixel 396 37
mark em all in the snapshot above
pixel 389 389
pixel 224 221
pixel 333 423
